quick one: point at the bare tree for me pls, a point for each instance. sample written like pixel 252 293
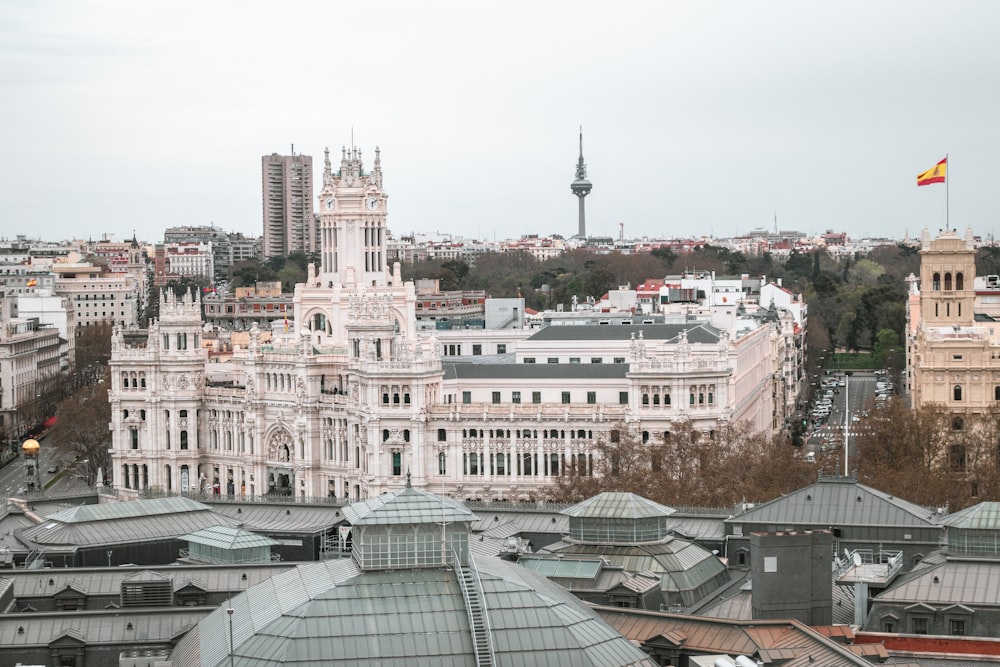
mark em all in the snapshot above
pixel 81 430
pixel 689 467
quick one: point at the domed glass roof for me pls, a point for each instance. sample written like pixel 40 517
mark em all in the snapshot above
pixel 332 613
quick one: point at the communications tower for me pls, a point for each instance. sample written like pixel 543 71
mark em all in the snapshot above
pixel 581 187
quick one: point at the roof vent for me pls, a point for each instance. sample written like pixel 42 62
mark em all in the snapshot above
pixel 936 580
pixel 289 512
pixel 243 577
pixel 809 497
pixel 859 499
pixel 128 626
pixel 20 629
pixel 239 510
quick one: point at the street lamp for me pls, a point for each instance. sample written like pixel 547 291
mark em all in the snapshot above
pixel 229 611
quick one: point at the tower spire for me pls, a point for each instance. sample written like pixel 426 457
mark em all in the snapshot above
pixel 581 187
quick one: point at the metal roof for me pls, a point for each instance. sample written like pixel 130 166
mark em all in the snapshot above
pixel 331 613
pixel 408 506
pixel 53 534
pixel 535 371
pixel 945 580
pixel 984 516
pixel 33 629
pixel 618 505
pixel 126 510
pixel 281 517
pixel 838 501
pixel 684 568
pixel 108 580
pixel 572 568
pixel 231 538
pixel 697 332
pixel 799 645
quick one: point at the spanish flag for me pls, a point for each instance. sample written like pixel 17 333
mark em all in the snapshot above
pixel 935 174
pixel 32 282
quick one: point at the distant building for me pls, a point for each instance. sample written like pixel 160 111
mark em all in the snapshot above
pixel 98 295
pixel 287 194
pixel 245 307
pixel 227 249
pixel 29 357
pixel 952 349
pixel 191 259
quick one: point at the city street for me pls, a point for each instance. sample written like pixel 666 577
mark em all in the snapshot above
pixel 12 475
pixel 826 441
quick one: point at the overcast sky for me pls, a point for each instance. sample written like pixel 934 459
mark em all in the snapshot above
pixel 698 117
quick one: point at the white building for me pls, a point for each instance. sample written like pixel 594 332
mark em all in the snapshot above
pixel 29 355
pixel 350 398
pixel 98 295
pixel 191 259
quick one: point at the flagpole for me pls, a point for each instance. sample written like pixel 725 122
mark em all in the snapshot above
pixel 947 203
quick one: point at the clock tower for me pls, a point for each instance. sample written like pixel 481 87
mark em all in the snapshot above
pixel 352 222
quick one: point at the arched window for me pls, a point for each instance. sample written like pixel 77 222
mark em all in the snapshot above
pixel 957 392
pixel 947 281
pixel 959 281
pixel 937 281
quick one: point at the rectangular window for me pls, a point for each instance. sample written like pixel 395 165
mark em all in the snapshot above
pixel 496 397
pixel 597 360
pixel 574 360
pixel 918 626
pixel 135 438
pixel 467 397
pixel 529 360
pixel 501 348
pixel 442 435
pixel 515 397
pixel 536 397
pixel 565 397
pixel 397 463
pixel 619 360
pixel 477 349
pixel 591 397
pixel 442 463
pixel 553 360
pixel 623 398
pixel 958 628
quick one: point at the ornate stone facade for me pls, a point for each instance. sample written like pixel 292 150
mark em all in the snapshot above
pixel 349 397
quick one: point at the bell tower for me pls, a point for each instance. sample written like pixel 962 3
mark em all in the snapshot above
pixel 947 277
pixel 352 217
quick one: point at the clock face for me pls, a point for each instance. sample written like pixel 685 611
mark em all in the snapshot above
pixel 372 203
pixel 329 203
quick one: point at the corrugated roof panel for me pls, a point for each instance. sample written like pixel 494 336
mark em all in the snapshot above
pixel 984 516
pixel 837 501
pixel 618 505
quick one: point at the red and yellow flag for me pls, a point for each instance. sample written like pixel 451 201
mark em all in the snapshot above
pixel 935 174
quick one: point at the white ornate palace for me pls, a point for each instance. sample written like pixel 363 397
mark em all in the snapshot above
pixel 348 397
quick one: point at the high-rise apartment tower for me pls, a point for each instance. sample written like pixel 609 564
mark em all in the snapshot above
pixel 289 222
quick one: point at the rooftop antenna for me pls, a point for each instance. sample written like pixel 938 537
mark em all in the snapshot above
pixel 775 223
pixel 293 150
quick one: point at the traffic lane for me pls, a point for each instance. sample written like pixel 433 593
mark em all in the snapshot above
pixel 12 476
